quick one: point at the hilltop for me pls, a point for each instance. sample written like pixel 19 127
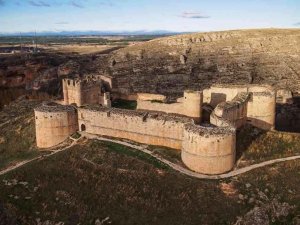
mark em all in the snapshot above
pixel 168 65
pixel 171 64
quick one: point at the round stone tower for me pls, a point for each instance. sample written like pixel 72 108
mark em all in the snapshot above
pixel 192 105
pixel 54 123
pixel 208 150
pixel 261 109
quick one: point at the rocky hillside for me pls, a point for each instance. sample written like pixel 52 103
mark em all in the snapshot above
pixel 41 71
pixel 170 65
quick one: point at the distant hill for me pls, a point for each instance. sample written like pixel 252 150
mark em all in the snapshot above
pixel 95 33
pixel 171 64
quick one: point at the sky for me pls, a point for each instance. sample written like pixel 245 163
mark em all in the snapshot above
pixel 133 15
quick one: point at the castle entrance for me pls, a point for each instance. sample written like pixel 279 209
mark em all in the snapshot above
pixel 83 128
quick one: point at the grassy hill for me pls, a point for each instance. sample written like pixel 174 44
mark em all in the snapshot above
pixel 97 182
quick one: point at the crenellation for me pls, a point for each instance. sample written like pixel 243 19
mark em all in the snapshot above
pixel 189 105
pixel 88 90
pixel 209 130
pixel 54 123
pixel 50 107
pixel 205 148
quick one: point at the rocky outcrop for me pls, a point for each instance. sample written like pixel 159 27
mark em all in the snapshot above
pixel 42 72
pixel 69 68
pixel 22 70
pixel 172 64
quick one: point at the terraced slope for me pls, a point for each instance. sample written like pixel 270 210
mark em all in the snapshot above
pixel 170 65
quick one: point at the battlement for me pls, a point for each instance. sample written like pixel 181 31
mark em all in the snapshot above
pixel 54 123
pixel 159 128
pixel 209 130
pixel 208 149
pixel 143 114
pixel 50 107
pixel 189 105
pixel 83 82
pixel 88 90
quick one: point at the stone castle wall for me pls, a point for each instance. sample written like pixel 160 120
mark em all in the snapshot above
pixel 209 150
pixel 82 92
pixel 139 126
pixel 284 96
pixel 234 105
pixel 219 93
pixel 231 113
pixel 190 105
pixel 151 97
pixel 260 109
pixel 205 149
pixel 54 123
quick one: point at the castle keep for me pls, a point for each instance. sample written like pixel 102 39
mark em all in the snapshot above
pixel 205 148
pixel 85 91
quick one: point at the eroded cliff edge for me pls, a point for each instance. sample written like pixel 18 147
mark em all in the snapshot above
pixel 172 64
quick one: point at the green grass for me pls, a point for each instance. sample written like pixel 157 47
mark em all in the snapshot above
pixel 17 137
pixel 172 155
pixel 76 135
pixel 124 104
pixel 121 149
pixel 255 145
pixel 130 189
pixel 18 142
pixel 280 182
pixel 127 189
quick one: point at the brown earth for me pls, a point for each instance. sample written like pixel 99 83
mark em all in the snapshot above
pixel 170 65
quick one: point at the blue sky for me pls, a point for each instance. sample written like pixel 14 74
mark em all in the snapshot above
pixel 131 15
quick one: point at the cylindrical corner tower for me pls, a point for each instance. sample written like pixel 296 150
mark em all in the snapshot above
pixel 261 109
pixel 54 123
pixel 208 150
pixel 192 105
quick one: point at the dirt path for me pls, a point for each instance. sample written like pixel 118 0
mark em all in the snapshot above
pixel 189 172
pixel 165 161
pixel 18 165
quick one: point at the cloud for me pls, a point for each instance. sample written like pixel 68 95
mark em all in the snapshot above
pixel 297 24
pixel 39 3
pixel 107 3
pixel 76 4
pixel 62 23
pixel 193 15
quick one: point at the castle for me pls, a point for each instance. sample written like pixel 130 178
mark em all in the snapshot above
pixel 207 148
pixel 85 91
